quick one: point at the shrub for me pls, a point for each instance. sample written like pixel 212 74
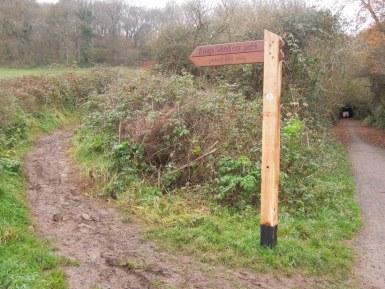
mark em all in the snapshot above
pixel 10 165
pixel 169 127
pixel 238 181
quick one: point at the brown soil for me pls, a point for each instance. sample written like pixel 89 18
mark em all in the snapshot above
pixel 366 149
pixel 372 135
pixel 110 251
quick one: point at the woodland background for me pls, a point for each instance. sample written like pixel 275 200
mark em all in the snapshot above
pixel 323 61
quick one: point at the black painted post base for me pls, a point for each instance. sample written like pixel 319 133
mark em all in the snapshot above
pixel 269 236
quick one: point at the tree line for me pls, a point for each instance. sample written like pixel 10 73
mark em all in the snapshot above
pixel 117 32
pixel 324 65
pixel 74 31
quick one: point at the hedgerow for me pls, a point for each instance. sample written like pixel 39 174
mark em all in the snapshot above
pixel 170 133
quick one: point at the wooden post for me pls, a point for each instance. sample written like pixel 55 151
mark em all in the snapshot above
pixel 270 138
pixel 268 52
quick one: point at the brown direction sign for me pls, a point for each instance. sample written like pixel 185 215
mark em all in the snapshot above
pixel 246 52
pixel 228 53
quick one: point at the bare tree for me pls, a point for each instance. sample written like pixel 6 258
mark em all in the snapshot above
pixel 376 8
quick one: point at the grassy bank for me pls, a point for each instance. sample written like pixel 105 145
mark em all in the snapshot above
pixel 25 262
pixel 185 160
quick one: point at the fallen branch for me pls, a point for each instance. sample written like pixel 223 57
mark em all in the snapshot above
pixel 190 164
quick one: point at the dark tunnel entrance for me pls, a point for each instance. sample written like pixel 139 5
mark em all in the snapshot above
pixel 346 111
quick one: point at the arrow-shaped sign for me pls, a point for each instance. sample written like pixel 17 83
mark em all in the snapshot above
pixel 228 53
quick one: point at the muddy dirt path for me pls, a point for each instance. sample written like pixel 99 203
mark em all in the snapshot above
pixel 368 159
pixel 110 252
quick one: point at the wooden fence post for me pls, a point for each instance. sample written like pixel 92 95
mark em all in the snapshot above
pixel 271 138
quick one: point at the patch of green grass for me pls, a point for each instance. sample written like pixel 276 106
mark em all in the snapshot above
pixel 39 71
pixel 25 261
pixel 54 71
pixel 314 244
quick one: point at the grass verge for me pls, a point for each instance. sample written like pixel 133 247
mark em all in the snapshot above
pixel 25 261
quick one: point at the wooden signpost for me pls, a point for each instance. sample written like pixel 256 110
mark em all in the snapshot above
pixel 228 53
pixel 269 52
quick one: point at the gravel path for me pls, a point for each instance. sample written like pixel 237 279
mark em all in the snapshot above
pixel 368 162
pixel 110 251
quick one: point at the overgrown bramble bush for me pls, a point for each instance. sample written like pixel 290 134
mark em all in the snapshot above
pixel 377 116
pixel 239 181
pixel 180 130
pixel 176 132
